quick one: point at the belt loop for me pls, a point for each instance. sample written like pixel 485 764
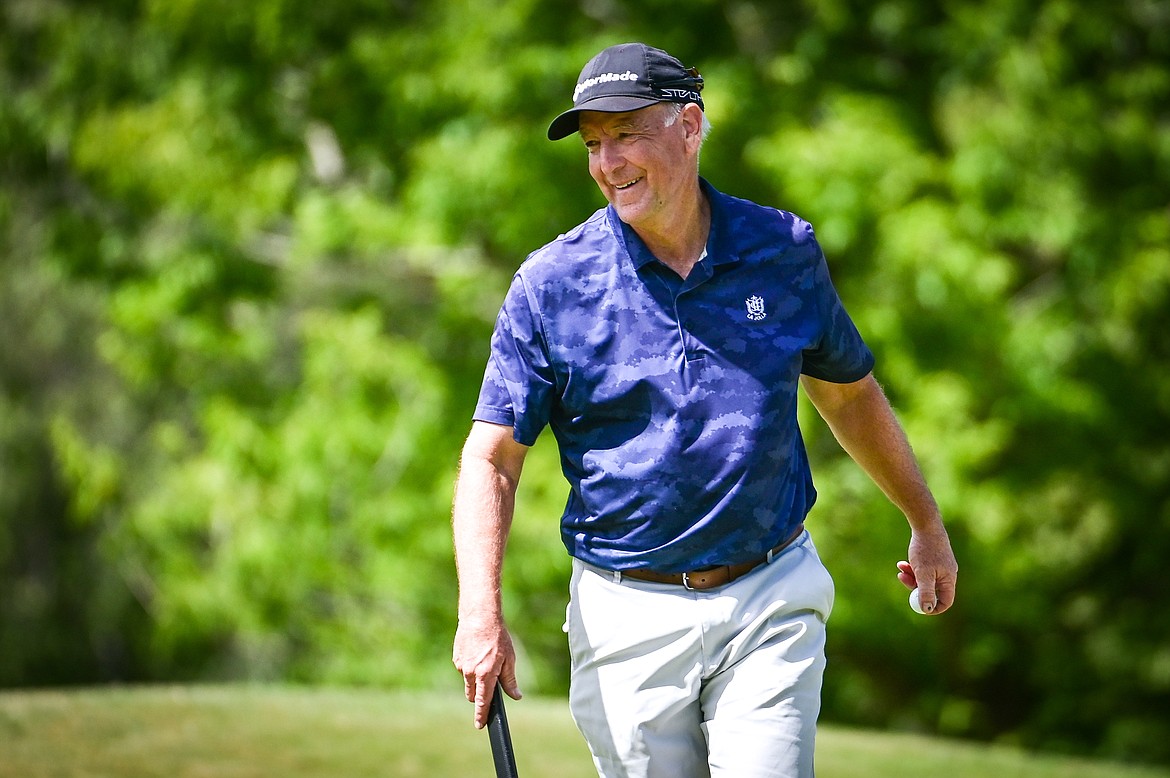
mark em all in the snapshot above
pixel 617 576
pixel 771 553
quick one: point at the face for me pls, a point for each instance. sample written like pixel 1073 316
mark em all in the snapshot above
pixel 641 165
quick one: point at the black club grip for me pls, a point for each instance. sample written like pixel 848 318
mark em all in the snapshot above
pixel 501 737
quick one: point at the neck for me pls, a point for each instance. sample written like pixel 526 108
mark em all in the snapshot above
pixel 680 241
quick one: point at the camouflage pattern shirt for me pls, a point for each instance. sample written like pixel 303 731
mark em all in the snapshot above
pixel 673 402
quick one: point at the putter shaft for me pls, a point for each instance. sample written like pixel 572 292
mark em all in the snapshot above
pixel 501 737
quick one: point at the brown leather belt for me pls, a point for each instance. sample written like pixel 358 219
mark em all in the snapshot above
pixel 711 577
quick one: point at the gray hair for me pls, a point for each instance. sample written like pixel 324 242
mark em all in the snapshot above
pixel 674 110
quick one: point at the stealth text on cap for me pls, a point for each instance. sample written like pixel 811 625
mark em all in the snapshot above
pixel 589 83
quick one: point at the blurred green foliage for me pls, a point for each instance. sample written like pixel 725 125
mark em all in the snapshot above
pixel 251 252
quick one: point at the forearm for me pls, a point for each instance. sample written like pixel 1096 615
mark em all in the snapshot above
pixel 864 424
pixel 485 500
pixel 481 519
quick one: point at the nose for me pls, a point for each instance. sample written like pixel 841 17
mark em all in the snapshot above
pixel 610 157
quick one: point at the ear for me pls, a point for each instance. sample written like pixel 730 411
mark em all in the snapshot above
pixel 692 123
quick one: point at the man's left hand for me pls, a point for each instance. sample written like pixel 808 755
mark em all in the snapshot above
pixel 932 569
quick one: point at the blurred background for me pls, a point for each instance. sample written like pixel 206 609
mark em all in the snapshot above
pixel 250 256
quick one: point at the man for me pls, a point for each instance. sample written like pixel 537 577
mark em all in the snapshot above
pixel 663 340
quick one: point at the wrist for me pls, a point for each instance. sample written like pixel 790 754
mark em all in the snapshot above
pixel 484 613
pixel 927 523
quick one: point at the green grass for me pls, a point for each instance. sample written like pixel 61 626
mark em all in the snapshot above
pixel 257 732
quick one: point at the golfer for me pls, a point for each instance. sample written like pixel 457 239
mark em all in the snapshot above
pixel 664 340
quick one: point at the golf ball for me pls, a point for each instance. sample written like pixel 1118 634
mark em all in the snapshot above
pixel 915 603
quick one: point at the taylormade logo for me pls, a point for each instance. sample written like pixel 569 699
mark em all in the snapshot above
pixel 589 83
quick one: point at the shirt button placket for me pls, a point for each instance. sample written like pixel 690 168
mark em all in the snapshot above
pixel 684 337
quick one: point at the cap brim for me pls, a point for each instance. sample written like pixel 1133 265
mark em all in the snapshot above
pixel 570 121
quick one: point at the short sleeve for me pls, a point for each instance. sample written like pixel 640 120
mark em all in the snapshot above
pixel 518 383
pixel 840 355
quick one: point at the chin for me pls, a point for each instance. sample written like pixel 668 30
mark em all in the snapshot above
pixel 629 212
pixel 630 216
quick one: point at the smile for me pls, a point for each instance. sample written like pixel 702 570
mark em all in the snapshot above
pixel 628 185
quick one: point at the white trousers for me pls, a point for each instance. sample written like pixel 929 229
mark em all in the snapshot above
pixel 723 683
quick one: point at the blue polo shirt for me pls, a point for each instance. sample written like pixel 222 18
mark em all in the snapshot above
pixel 673 402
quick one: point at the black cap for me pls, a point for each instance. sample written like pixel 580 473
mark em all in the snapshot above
pixel 627 77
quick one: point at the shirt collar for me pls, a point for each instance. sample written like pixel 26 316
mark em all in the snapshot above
pixel 719 251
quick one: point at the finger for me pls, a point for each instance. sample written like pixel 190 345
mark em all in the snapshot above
pixel 509 682
pixel 945 591
pixel 927 596
pixel 484 690
pixel 469 687
pixel 906 575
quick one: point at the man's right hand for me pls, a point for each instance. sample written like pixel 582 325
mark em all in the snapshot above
pixel 484 653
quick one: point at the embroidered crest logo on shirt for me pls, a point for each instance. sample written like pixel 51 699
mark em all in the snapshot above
pixel 755 308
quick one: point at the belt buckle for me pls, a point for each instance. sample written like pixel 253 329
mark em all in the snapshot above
pixel 687 582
